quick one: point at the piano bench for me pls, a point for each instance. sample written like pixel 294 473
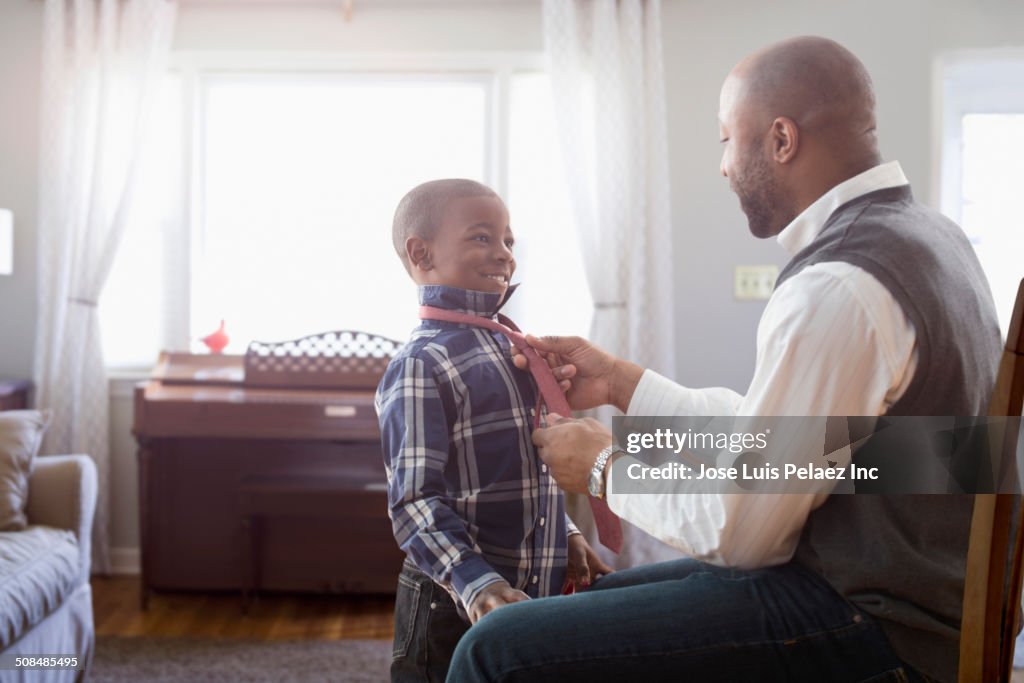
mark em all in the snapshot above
pixel 350 497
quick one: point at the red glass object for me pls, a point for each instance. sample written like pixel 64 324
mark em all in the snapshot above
pixel 216 341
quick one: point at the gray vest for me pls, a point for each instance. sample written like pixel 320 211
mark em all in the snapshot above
pixel 902 558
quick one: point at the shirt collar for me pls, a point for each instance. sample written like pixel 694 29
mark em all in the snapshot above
pixel 805 227
pixel 469 301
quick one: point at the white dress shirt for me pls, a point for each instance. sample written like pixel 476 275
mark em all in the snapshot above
pixel 832 341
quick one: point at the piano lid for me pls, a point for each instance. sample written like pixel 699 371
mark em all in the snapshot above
pixel 177 367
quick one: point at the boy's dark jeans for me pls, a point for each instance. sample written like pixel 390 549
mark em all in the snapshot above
pixel 427 629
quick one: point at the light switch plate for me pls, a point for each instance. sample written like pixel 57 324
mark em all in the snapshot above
pixel 754 283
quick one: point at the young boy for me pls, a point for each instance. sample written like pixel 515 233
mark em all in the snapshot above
pixel 479 517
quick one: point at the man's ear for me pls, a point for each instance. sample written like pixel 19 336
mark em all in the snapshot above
pixel 417 250
pixel 785 137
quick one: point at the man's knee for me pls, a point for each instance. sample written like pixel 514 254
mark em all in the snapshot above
pixel 476 657
pixel 670 570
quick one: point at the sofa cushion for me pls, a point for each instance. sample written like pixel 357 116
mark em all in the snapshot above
pixel 38 571
pixel 21 433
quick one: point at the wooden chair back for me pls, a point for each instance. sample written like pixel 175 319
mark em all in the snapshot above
pixel 992 588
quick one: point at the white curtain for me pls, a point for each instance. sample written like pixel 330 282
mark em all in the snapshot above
pixel 605 62
pixel 103 65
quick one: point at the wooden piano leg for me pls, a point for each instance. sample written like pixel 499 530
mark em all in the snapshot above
pixel 249 582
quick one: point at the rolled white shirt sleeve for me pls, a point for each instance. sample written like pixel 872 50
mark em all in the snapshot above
pixel 832 341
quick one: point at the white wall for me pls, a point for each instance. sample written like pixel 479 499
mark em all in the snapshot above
pixel 897 39
pixel 426 25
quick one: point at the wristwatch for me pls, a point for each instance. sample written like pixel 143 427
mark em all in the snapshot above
pixel 595 484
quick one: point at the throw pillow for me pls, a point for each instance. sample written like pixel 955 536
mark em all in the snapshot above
pixel 21 434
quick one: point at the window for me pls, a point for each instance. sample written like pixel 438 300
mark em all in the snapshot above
pixel 281 222
pixel 983 165
pixel 144 296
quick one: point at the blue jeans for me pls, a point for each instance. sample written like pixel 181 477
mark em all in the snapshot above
pixel 683 620
pixel 427 628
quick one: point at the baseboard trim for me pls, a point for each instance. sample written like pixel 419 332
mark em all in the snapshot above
pixel 125 561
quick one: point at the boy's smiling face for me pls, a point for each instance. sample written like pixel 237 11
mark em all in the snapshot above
pixel 471 250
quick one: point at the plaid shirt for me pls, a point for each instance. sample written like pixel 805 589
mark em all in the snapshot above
pixel 470 501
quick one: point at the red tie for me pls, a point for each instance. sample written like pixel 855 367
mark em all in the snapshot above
pixel 609 529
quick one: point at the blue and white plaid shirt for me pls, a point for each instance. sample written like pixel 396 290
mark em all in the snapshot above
pixel 470 501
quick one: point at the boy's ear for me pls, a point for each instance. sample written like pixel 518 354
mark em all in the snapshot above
pixel 417 250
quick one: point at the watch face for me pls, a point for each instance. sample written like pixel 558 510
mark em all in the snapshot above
pixel 594 485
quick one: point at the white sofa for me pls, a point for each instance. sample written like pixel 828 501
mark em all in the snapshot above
pixel 45 598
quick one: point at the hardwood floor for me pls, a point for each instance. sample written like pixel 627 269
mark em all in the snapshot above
pixel 274 616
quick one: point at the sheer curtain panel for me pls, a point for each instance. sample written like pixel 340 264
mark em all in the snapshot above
pixel 103 66
pixel 605 61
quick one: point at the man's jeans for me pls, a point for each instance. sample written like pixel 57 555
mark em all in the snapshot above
pixel 427 628
pixel 682 621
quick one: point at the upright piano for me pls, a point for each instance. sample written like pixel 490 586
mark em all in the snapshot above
pixel 211 428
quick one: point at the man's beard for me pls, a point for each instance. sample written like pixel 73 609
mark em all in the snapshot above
pixel 759 197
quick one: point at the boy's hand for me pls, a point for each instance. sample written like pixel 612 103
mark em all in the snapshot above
pixel 585 566
pixel 493 596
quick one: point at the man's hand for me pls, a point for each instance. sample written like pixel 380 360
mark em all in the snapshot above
pixel 493 596
pixel 584 565
pixel 569 448
pixel 592 376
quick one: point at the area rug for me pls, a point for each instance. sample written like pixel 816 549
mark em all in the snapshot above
pixel 193 660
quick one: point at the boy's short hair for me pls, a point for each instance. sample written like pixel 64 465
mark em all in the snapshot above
pixel 421 209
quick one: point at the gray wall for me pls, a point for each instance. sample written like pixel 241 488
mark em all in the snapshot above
pixel 20 63
pixel 897 39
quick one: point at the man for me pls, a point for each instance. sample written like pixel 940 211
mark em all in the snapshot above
pixel 883 309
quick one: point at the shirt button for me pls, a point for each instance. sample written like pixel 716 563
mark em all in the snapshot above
pixel 543 468
pixel 542 521
pixel 433 605
pixel 534 579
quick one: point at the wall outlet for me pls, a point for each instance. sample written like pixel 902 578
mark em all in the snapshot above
pixel 754 283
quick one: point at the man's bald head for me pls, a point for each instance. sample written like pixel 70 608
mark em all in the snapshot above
pixel 798 118
pixel 816 82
